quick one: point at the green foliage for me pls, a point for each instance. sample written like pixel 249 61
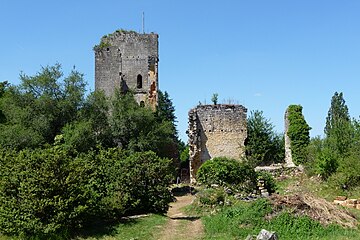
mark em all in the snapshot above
pixel 43 192
pixel 214 98
pixel 40 106
pixel 263 145
pixel 347 176
pixel 138 129
pixel 241 220
pixel 54 191
pixel 210 196
pixel 227 172
pixel 269 180
pixel 326 163
pixel 338 127
pixel 184 157
pixel 103 44
pixel 298 133
pixel 150 177
pixel 3 87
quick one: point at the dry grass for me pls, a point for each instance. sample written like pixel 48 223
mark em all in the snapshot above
pixel 316 208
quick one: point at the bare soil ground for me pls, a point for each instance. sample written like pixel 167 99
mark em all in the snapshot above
pixel 180 226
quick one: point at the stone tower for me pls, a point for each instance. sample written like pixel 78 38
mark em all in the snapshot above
pixel 127 60
pixel 216 131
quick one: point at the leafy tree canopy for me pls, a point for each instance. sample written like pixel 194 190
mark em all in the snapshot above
pixel 263 145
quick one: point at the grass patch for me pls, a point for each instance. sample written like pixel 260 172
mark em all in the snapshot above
pixel 242 219
pixel 145 228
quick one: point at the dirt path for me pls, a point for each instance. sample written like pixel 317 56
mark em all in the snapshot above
pixel 180 226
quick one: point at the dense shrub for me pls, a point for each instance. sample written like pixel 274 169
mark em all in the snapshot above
pixel 227 172
pixel 210 196
pixel 326 163
pixel 143 182
pixel 53 191
pixel 43 192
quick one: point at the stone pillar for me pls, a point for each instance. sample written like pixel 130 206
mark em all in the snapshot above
pixel 288 156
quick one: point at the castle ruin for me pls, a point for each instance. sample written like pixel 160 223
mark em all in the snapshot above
pixel 215 131
pixel 288 155
pixel 127 60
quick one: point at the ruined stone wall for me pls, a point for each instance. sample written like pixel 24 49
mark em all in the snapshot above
pixel 288 156
pixel 216 131
pixel 128 60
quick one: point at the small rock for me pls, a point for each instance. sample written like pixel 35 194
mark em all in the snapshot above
pixel 266 235
pixel 265 194
pixel 237 196
pixel 228 191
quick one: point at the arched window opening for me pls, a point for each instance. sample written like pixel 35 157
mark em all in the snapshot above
pixel 139 81
pixel 142 104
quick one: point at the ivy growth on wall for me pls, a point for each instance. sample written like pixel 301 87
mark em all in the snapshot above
pixel 298 133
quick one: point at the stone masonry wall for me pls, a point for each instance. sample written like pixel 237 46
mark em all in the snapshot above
pixel 288 156
pixel 125 58
pixel 215 131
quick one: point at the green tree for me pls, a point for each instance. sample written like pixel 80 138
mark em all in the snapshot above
pixel 338 127
pixel 138 129
pixel 165 109
pixel 184 157
pixel 40 106
pixel 263 145
pixel 214 98
pixel 92 128
pixel 299 134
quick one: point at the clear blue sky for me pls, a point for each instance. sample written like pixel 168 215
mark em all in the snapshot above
pixel 263 54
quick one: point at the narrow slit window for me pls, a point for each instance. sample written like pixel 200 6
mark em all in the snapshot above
pixel 139 81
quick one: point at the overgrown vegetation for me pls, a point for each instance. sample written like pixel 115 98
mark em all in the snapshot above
pixel 228 172
pixel 52 191
pixel 263 145
pixel 243 219
pixel 104 42
pixel 237 175
pixel 336 157
pixel 70 161
pixel 298 133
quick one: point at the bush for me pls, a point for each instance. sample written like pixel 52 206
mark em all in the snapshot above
pixel 43 192
pixel 326 164
pixel 144 182
pixel 227 172
pixel 212 196
pixel 48 192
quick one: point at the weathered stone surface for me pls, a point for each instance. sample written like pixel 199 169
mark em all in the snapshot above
pixel 128 60
pixel 288 156
pixel 215 131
